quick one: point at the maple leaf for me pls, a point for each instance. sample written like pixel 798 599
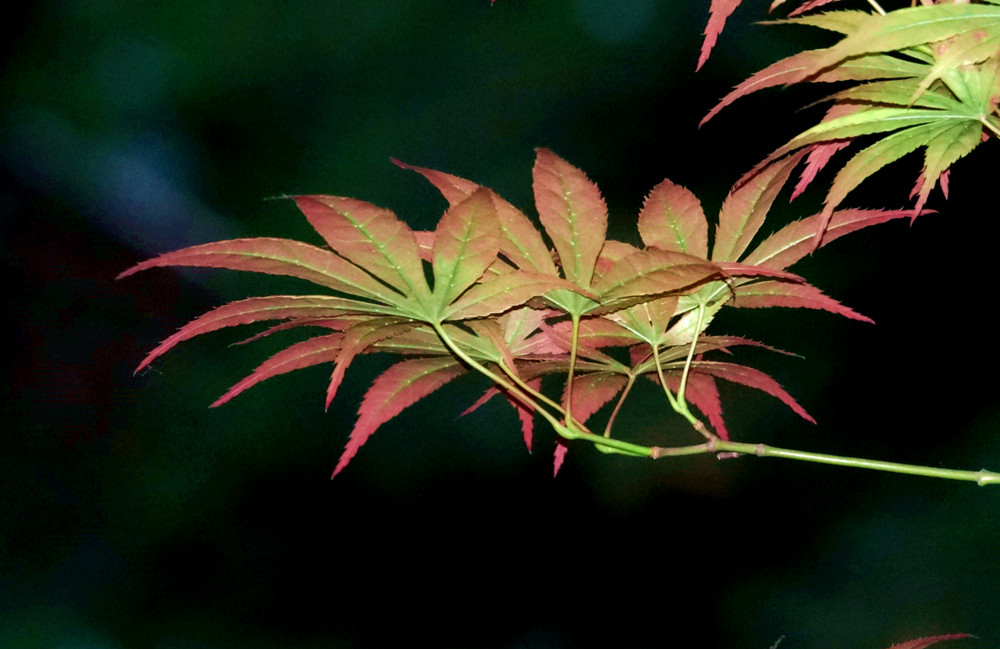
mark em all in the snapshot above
pixel 742 375
pixel 483 291
pixel 573 213
pixel 314 351
pixel 719 11
pixel 933 76
pixel 923 643
pixel 559 456
pixel 672 219
pixel 521 242
pixel 593 390
pixel 398 387
pixel 259 309
pixel 371 237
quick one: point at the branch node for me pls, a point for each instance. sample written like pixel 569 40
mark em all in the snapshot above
pixel 760 450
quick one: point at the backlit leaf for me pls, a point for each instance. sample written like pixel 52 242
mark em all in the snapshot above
pixel 719 11
pixel 802 67
pixel 466 242
pixel 783 294
pixel 592 391
pixel 454 189
pixel 394 390
pixel 672 219
pixel 277 257
pixel 321 349
pixel 521 242
pixel 573 213
pixel 647 321
pixel 945 148
pixel 359 338
pixel 795 240
pixel 909 27
pixel 371 237
pixel 745 208
pixel 752 378
pixel 257 309
pixel 503 292
pixel 653 272
pixel 923 643
pixel 786 71
pixel 559 456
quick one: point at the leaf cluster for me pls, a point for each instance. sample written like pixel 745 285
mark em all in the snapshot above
pixel 490 292
pixel 924 77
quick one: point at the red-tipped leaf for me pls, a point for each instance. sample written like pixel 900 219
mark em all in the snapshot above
pixel 521 242
pixel 592 391
pixel 752 378
pixel 322 349
pixel 559 456
pixel 923 643
pixel 370 236
pixel 719 11
pixel 502 292
pixel 783 294
pixel 672 219
pixel 394 390
pixel 796 240
pixel 573 213
pixel 258 309
pixel 277 257
pixel 653 272
pixel 746 206
pixel 466 243
pixel 357 340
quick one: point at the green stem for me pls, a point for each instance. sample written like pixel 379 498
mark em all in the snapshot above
pixel 690 356
pixel 496 378
pixel 982 478
pixel 606 444
pixel 876 7
pixel 576 431
pixel 618 406
pixel 529 390
pixel 714 444
pixel 663 381
pixel 574 342
pixel 680 407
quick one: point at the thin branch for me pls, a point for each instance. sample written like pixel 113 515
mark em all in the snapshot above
pixel 574 342
pixel 876 7
pixel 982 477
pixel 690 356
pixel 618 406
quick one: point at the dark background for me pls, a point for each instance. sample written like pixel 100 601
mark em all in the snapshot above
pixel 134 516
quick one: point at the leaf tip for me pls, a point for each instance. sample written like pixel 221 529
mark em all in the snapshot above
pixel 558 457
